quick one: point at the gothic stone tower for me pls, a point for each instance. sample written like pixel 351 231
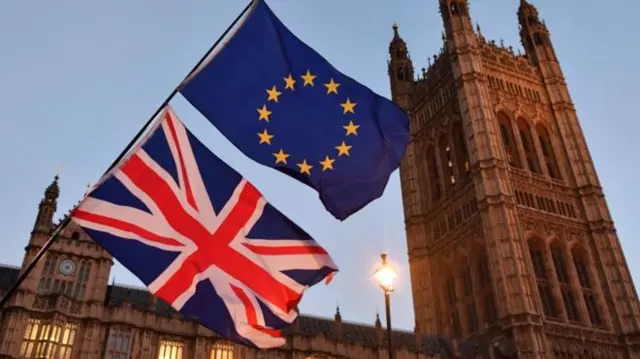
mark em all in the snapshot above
pixel 68 283
pixel 508 231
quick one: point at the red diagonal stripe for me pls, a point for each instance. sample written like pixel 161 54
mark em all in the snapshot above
pixel 183 169
pixel 159 191
pixel 252 316
pixel 215 250
pixel 123 226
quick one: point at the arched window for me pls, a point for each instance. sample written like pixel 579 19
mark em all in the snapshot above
pixel 506 133
pixel 548 152
pixel 222 351
pixel 528 146
pixel 484 283
pixel 468 298
pixel 434 178
pixel 586 283
pixel 451 306
pixel 446 161
pixel 536 251
pixel 562 274
pixel 460 148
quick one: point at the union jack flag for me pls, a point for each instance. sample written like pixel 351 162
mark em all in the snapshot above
pixel 202 238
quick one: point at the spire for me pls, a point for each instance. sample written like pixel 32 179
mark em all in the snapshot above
pixel 53 190
pixel 338 317
pixel 400 69
pixel 378 323
pixel 397 42
pixel 47 207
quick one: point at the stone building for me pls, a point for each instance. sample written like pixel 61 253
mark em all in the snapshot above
pixel 509 235
pixel 66 309
pixel 508 230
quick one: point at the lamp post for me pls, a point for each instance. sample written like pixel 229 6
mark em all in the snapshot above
pixel 385 276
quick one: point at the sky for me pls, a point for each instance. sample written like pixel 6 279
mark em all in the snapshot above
pixel 79 78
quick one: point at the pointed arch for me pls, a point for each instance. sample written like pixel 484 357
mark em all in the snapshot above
pixel 528 145
pixel 539 263
pixel 448 298
pixel 460 150
pixel 434 177
pixel 446 162
pixel 585 279
pixel 484 285
pixel 559 257
pixel 548 152
pixel 508 140
pixel 468 295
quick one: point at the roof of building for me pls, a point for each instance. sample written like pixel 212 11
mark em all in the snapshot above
pixel 306 325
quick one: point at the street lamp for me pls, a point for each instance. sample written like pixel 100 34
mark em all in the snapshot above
pixel 385 276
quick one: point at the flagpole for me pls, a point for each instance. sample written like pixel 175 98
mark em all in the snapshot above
pixel 67 219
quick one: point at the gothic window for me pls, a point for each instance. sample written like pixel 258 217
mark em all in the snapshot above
pixel 82 278
pixel 169 349
pixel 536 251
pixel 584 277
pixel 460 148
pixel 562 274
pixel 451 307
pixel 528 146
pixel 548 152
pixel 538 39
pixel 118 343
pixel 470 305
pixel 446 162
pixel 48 270
pixel 506 132
pixel 75 235
pixel 484 281
pixel 44 340
pixel 434 178
pixel 400 74
pixel 222 351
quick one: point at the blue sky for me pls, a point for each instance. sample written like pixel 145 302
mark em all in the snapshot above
pixel 79 78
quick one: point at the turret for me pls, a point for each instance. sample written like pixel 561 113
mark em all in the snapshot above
pixel 47 207
pixel 400 70
pixel 455 15
pixel 534 35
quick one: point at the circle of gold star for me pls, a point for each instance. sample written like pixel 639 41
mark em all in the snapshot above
pixel 290 83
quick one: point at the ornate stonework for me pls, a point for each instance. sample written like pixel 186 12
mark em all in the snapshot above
pixel 66 309
pixel 508 230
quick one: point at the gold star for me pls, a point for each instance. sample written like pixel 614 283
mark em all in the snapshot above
pixel 305 167
pixel 327 164
pixel 265 137
pixel 264 113
pixel 281 157
pixel 332 87
pixel 289 82
pixel 273 94
pixel 308 78
pixel 351 128
pixel 343 149
pixel 348 106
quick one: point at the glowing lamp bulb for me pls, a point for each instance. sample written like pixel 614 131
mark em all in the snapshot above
pixel 385 275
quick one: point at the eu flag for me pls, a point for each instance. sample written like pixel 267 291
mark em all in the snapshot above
pixel 284 106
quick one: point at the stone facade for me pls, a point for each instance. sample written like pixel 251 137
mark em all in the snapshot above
pixel 508 230
pixel 66 309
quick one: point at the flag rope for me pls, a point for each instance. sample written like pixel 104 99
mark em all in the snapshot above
pixel 67 219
